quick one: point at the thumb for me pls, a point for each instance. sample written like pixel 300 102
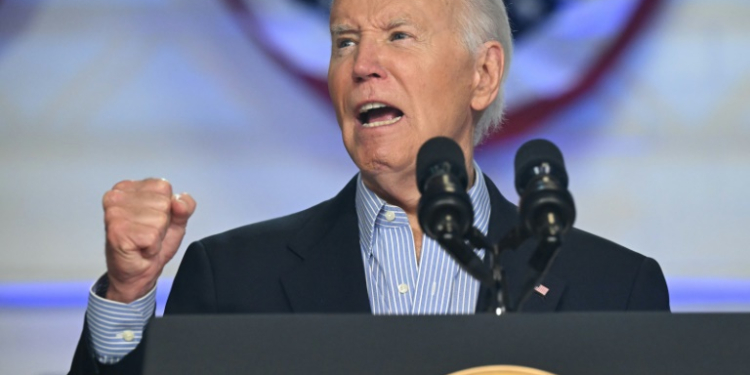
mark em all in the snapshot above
pixel 183 206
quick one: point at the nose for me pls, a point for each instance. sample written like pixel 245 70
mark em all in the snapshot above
pixel 368 62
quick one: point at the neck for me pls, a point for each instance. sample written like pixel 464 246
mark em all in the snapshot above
pixel 400 189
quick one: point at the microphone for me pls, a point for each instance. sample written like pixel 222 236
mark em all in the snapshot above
pixel 444 210
pixel 546 207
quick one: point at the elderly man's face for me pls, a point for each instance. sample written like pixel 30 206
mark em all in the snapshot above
pixel 399 76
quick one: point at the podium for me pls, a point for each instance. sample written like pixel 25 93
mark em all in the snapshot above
pixel 561 343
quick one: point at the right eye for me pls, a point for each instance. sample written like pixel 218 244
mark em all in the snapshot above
pixel 343 43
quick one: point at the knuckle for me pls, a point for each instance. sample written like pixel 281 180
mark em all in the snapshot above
pixel 122 185
pixel 163 204
pixel 162 187
pixel 111 198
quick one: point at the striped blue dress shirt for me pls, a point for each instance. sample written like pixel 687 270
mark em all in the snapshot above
pixel 396 283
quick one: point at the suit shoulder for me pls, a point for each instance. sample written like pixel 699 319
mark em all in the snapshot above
pixel 603 275
pixel 591 245
pixel 268 231
pixel 588 258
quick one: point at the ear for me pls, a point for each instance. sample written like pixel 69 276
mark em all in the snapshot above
pixel 487 75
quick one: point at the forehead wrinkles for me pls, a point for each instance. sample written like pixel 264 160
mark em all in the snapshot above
pixel 382 20
pixel 351 15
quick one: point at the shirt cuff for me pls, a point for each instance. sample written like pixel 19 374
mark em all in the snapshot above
pixel 116 328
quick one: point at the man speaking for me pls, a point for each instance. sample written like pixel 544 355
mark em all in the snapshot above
pixel 401 72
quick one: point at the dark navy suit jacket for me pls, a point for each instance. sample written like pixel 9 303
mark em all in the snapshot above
pixel 310 262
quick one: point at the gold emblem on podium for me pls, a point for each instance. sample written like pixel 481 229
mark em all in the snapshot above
pixel 501 370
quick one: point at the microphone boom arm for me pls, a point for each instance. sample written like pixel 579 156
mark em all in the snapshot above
pixel 495 279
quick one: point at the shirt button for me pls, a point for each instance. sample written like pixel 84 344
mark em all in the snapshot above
pixel 128 335
pixel 403 288
pixel 390 215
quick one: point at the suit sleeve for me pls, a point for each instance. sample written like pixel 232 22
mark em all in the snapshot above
pixel 192 292
pixel 649 291
pixel 84 359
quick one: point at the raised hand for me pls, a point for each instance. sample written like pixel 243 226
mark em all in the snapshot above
pixel 145 223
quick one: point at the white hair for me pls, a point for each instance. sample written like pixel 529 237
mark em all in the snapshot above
pixel 482 21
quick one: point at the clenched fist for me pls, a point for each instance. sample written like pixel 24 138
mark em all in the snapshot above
pixel 145 224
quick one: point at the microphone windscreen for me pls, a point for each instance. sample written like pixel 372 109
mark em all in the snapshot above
pixel 532 154
pixel 435 153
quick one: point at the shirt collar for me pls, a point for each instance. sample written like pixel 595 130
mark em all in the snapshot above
pixel 369 206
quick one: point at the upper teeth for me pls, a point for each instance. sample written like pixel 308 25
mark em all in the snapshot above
pixel 370 106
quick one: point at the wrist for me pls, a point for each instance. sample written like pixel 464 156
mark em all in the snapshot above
pixel 126 292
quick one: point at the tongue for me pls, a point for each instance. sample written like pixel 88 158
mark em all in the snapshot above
pixel 382 114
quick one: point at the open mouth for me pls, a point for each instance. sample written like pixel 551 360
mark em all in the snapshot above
pixel 378 114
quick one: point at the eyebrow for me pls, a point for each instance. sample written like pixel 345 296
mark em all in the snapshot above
pixel 398 22
pixel 339 29
pixel 342 29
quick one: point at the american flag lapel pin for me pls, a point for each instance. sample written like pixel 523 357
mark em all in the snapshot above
pixel 541 290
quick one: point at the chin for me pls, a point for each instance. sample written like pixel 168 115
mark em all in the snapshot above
pixel 382 150
pixel 386 160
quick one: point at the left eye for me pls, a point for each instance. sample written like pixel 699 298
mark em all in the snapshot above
pixel 399 36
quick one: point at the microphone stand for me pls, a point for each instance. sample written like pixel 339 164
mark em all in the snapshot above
pixel 494 278
pixel 550 240
pixel 501 301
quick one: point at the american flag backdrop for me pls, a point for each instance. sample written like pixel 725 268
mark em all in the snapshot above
pixel 562 47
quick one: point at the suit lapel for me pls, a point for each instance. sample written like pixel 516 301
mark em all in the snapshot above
pixel 503 218
pixel 546 301
pixel 330 277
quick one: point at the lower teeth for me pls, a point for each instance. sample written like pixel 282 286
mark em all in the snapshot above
pixel 381 123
